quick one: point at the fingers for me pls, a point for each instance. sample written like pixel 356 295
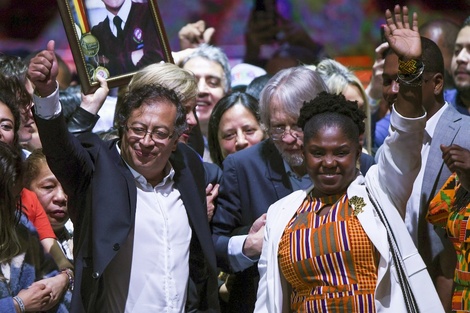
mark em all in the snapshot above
pixel 50 46
pixel 208 33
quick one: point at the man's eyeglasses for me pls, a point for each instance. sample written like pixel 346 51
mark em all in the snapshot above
pixel 156 134
pixel 279 132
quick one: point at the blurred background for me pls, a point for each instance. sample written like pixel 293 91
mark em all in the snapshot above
pixel 346 28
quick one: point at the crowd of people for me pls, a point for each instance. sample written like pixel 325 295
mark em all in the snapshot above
pixel 284 185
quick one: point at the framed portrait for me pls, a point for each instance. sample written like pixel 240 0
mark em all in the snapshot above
pixel 113 38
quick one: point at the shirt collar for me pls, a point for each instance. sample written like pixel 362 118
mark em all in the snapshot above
pixel 431 123
pixel 123 12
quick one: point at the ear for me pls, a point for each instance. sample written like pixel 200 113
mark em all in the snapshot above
pixel 438 80
pixel 175 144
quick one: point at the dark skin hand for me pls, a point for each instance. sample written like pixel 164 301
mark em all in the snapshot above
pixel 457 160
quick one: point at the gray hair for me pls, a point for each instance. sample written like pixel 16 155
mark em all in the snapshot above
pixel 213 54
pixel 291 87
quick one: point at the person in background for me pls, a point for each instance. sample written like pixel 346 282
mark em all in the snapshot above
pixel 39 179
pixel 256 177
pixel 13 74
pixel 234 125
pixel 459 97
pixel 448 210
pixel 339 245
pixel 120 193
pixel 24 286
pixel 211 68
pixel 443 32
pixel 340 79
pixel 254 88
pixel 10 118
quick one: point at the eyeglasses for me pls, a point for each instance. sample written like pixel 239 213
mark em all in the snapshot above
pixel 279 132
pixel 156 134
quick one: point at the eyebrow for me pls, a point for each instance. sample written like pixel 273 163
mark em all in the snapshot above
pixel 6 119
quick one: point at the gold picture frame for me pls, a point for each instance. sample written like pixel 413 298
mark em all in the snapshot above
pixel 101 49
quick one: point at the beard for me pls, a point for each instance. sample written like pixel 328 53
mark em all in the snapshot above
pixel 293 159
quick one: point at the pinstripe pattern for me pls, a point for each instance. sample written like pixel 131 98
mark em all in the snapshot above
pixel 328 260
pixel 443 213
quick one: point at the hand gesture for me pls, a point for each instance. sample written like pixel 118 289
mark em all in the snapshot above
pixel 374 88
pixel 457 160
pixel 57 284
pixel 43 70
pixel 211 194
pixel 194 34
pixel 94 101
pixel 36 298
pixel 402 37
pixel 254 242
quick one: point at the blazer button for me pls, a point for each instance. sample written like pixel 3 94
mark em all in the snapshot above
pixel 116 247
pixel 95 275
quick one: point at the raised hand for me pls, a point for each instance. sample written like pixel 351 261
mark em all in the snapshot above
pixel 402 36
pixel 193 34
pixel 43 70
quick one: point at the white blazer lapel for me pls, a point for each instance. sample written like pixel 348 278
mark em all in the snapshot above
pixel 369 220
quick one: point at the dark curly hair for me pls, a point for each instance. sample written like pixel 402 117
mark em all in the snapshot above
pixel 328 110
pixel 144 95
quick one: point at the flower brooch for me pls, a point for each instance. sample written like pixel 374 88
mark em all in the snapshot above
pixel 357 204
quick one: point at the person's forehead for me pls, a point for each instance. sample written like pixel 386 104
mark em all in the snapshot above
pixel 202 67
pixel 463 37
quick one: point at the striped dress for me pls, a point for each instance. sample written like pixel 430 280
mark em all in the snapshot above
pixel 443 213
pixel 328 260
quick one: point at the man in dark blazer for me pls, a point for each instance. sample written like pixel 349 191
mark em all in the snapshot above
pixel 109 185
pixel 135 45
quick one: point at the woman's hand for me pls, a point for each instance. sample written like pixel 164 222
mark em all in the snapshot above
pixel 57 286
pixel 37 297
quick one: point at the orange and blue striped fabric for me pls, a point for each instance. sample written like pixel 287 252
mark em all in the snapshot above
pixel 443 213
pixel 328 259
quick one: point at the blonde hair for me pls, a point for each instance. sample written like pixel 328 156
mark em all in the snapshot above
pixel 169 76
pixel 337 77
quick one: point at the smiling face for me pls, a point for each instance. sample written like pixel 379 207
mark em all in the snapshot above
pixel 330 157
pixel 51 196
pixel 149 155
pixel 211 87
pixel 238 129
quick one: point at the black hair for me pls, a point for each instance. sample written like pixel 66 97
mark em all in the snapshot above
pixel 328 110
pixel 224 104
pixel 13 74
pixel 256 85
pixel 431 56
pixel 10 177
pixel 143 95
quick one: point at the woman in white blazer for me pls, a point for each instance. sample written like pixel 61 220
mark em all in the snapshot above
pixel 342 246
